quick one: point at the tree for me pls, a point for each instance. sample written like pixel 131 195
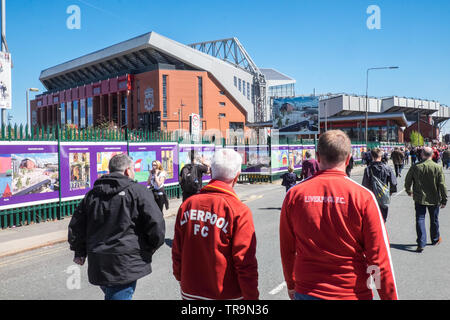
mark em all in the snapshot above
pixel 416 139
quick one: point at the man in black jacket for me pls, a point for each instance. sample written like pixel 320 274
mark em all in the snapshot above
pixel 117 226
pixel 383 172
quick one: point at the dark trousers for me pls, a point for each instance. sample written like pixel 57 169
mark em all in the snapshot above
pixel 398 169
pixel 421 211
pixel 384 213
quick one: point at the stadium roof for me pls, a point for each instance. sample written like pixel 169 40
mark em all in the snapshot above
pixel 272 74
pixel 147 52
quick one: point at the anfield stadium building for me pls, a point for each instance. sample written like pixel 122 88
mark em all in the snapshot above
pixel 155 83
pixel 152 82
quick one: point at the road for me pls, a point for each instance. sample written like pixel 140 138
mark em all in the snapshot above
pixel 47 273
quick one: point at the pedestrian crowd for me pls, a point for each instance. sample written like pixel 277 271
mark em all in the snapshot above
pixel 332 230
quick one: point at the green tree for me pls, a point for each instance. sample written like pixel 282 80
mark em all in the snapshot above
pixel 416 139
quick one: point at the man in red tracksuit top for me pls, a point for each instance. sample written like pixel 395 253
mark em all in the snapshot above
pixel 214 246
pixel 332 234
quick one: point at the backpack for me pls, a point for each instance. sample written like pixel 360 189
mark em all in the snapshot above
pixel 381 191
pixel 189 181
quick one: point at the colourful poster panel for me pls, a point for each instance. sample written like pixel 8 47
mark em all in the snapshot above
pixel 144 154
pixel 280 158
pixel 295 156
pixel 83 163
pixel 28 173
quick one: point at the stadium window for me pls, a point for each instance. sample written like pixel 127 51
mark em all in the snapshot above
pixel 235 82
pixel 164 80
pixel 222 93
pixel 248 91
pixel 239 84
pixel 243 87
pixel 200 97
pixel 222 104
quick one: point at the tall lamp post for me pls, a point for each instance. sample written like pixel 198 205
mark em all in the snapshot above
pixel 367 97
pixel 28 102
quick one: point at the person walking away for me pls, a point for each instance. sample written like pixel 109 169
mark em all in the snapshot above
pixel 367 157
pixel 429 192
pixel 413 154
pixel 436 154
pixel 331 231
pixel 214 245
pixel 350 166
pixel 156 183
pixel 406 159
pixel 385 158
pixel 289 179
pixel 117 227
pixel 309 166
pixel 446 158
pixel 397 158
pixel 191 176
pixel 386 184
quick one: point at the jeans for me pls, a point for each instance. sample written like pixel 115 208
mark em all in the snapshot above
pixel 120 292
pixel 398 169
pixel 421 211
pixel 300 296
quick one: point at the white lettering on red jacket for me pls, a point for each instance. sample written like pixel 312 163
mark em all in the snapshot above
pixel 331 233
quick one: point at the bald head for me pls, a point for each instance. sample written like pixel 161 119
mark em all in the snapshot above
pixel 427 153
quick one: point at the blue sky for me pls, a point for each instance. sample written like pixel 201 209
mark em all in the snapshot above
pixel 324 44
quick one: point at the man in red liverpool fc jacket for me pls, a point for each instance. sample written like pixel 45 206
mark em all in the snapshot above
pixel 214 245
pixel 332 234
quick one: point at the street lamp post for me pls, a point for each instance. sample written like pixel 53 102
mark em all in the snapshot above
pixel 367 97
pixel 27 105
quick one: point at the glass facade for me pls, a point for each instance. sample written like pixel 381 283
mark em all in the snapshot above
pixel 164 87
pixel 75 113
pixel 90 112
pixel 286 90
pixel 69 112
pixel 82 113
pixel 200 97
pixel 375 134
pixel 63 113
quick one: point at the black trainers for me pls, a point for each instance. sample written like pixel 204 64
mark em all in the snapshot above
pixel 419 249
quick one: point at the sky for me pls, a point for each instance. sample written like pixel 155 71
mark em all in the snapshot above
pixel 325 45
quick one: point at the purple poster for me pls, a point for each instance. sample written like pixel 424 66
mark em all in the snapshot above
pixel 295 156
pixel 83 163
pixel 144 154
pixel 202 153
pixel 280 158
pixel 28 173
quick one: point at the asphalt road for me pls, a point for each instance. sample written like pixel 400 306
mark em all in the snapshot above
pixel 48 273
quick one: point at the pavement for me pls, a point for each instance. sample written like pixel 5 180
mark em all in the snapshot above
pixel 21 239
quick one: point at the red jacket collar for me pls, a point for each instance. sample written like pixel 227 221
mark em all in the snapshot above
pixel 331 171
pixel 219 186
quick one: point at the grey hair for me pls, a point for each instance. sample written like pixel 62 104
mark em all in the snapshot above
pixel 119 163
pixel 226 165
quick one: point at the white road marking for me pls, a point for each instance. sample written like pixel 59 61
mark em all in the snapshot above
pixel 278 289
pixel 398 193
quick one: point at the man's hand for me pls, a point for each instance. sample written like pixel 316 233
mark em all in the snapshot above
pixel 79 260
pixel 442 206
pixel 409 193
pixel 291 294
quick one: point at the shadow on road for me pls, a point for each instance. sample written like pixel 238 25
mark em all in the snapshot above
pixel 270 208
pixel 404 247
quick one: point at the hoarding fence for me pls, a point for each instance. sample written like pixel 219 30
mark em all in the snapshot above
pixel 263 162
